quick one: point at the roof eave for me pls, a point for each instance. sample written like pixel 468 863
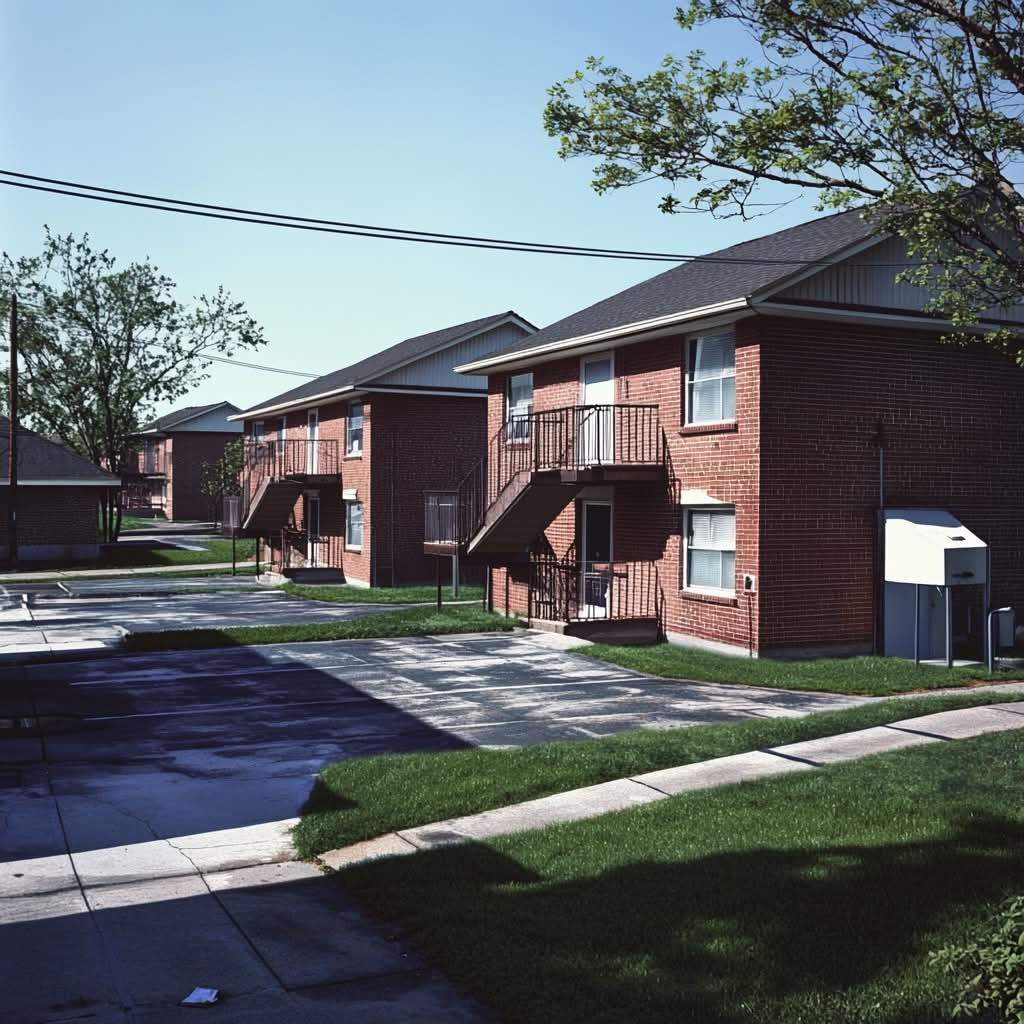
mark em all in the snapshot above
pixel 611 335
pixel 298 404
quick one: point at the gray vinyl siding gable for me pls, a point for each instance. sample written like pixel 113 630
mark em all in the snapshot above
pixel 437 370
pixel 868 279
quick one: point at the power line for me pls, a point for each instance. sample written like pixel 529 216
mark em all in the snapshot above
pixel 213 211
pixel 42 315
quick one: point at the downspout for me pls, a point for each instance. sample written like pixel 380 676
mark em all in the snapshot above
pixel 879 616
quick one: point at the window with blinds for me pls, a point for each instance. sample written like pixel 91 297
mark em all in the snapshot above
pixel 711 379
pixel 353 524
pixel 354 429
pixel 710 561
pixel 518 406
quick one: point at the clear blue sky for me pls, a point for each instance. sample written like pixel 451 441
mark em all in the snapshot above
pixel 425 116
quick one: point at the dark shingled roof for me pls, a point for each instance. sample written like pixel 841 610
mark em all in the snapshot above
pixel 42 459
pixel 695 284
pixel 171 419
pixel 366 370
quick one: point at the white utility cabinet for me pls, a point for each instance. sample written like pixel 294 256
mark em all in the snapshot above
pixel 930 547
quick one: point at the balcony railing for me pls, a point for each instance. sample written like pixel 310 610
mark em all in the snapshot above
pixel 576 437
pixel 450 517
pixel 573 438
pixel 279 460
pixel 573 591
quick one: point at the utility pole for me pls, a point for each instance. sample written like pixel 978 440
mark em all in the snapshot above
pixel 12 448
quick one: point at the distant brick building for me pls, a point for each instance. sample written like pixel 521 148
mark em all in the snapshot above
pixel 166 473
pixel 708 453
pixel 337 467
pixel 57 502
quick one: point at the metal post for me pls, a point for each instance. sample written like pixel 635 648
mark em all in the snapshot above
pixel 258 573
pixel 949 627
pixel 12 450
pixel 437 563
pixel 455 574
pixel 234 534
pixel 986 608
pixel 917 623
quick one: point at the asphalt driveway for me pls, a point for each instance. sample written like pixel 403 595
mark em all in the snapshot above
pixel 124 784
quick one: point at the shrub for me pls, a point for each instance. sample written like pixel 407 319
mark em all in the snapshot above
pixel 991 969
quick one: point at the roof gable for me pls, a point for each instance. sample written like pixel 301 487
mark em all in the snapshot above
pixel 172 420
pixel 41 460
pixel 748 269
pixel 385 363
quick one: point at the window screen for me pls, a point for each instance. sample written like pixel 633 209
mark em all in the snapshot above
pixel 711 379
pixel 519 406
pixel 354 429
pixel 353 525
pixel 711 548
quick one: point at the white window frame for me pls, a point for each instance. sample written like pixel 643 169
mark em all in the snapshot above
pixel 349 505
pixel 350 452
pixel 259 431
pixel 685 550
pixel 691 347
pixel 510 437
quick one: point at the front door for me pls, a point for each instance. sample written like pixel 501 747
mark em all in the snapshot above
pixel 596 567
pixel 312 529
pixel 597 425
pixel 312 435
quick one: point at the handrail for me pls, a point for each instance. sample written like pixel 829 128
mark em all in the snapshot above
pixel 574 437
pixel 283 458
pixel 574 591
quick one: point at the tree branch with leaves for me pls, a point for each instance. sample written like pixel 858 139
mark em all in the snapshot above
pixel 101 345
pixel 912 110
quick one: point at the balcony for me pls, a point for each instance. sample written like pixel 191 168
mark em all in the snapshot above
pixel 535 466
pixel 274 474
pixel 292 459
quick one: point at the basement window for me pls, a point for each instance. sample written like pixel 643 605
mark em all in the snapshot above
pixel 711 379
pixel 709 535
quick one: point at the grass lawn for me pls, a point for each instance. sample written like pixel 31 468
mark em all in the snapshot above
pixel 379 595
pixel 406 622
pixel 126 557
pixel 868 676
pixel 808 899
pixel 365 797
pixel 141 522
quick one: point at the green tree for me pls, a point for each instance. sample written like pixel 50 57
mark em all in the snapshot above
pixel 910 109
pixel 223 477
pixel 100 345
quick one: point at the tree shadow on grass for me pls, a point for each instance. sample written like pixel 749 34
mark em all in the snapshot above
pixel 810 934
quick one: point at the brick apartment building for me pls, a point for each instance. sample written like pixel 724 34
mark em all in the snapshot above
pixel 720 452
pixel 58 499
pixel 335 469
pixel 165 475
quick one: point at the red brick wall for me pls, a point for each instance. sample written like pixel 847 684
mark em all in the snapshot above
pixel 647 518
pixel 410 443
pixel 423 442
pixel 954 425
pixel 58 517
pixel 183 455
pixel 801 468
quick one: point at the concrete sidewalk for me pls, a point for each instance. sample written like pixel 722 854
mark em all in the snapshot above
pixel 623 794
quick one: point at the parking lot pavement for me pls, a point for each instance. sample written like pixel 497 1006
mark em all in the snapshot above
pixel 48 618
pixel 111 768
